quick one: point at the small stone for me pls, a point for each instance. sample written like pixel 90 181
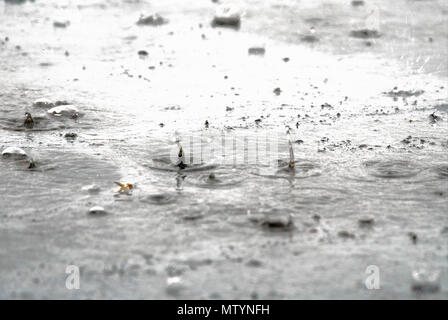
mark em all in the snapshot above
pixel 277 91
pixel 97 210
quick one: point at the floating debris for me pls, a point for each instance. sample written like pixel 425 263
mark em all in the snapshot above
pixel 125 188
pixel 43 103
pixel 29 122
pixel 64 110
pixel 425 281
pixel 259 51
pixel 97 210
pixel 14 152
pixel 206 124
pixel 151 20
pixel 277 91
pixel 227 16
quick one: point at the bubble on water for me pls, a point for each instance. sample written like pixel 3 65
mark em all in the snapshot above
pixel 425 281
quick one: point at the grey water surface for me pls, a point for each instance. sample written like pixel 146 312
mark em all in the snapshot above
pixel 363 91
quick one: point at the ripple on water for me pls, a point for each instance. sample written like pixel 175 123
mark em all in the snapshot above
pixel 165 164
pixel 217 179
pixel 391 169
pixel 56 179
pixel 41 123
pixel 442 170
pixel 319 195
pixel 302 169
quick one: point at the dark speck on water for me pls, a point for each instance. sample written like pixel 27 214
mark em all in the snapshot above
pixel 365 34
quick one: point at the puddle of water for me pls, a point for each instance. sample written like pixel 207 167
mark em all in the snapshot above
pixel 346 115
